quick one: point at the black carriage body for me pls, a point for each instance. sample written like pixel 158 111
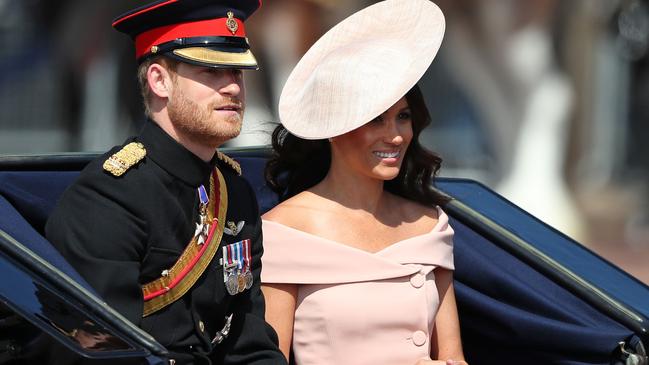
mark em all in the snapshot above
pixel 526 293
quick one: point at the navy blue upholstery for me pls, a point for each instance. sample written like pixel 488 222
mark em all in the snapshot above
pixel 26 198
pixel 252 168
pixel 34 194
pixel 509 313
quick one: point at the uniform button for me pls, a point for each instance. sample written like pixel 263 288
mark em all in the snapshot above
pixel 201 326
pixel 419 338
pixel 417 280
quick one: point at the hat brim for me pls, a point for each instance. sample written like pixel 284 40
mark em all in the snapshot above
pixel 213 57
pixel 361 67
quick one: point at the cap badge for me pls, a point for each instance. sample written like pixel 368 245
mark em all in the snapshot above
pixel 154 49
pixel 231 23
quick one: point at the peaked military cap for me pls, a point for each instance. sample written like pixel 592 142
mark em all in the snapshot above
pixel 202 32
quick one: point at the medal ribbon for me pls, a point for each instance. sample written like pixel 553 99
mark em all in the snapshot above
pixel 246 254
pixel 230 256
pixel 236 265
pixel 202 195
pixel 237 254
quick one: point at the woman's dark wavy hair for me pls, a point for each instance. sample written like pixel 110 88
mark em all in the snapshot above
pixel 298 164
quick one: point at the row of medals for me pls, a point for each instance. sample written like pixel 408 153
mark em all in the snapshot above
pixel 236 281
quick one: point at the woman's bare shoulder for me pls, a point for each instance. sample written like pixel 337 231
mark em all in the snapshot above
pixel 295 211
pixel 415 212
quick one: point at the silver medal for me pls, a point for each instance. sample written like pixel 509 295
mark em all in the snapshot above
pixel 232 284
pixel 248 277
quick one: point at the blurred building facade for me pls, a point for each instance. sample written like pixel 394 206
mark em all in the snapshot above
pixel 545 101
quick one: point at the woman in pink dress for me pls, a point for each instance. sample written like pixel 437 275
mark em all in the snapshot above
pixel 358 255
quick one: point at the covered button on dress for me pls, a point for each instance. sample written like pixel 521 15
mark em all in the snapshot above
pixel 356 307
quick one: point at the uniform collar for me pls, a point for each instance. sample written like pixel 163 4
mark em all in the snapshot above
pixel 174 157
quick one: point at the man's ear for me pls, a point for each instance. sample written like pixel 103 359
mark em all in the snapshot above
pixel 159 80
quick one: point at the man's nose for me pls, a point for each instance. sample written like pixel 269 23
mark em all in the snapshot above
pixel 233 83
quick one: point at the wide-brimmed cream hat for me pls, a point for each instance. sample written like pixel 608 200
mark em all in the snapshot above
pixel 361 67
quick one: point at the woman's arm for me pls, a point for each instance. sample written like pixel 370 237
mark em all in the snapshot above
pixel 280 312
pixel 445 339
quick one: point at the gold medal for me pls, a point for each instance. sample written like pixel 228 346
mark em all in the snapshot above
pixel 242 282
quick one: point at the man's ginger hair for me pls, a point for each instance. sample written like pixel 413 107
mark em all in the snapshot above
pixel 169 63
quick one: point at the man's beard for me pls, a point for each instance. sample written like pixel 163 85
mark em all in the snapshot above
pixel 199 123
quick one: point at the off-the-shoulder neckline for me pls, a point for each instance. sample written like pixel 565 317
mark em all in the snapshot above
pixel 435 229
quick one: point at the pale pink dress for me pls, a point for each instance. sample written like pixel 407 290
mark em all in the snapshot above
pixel 356 307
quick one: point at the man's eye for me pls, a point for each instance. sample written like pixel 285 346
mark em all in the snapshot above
pixel 236 74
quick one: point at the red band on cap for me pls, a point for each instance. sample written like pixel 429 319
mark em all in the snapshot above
pixel 201 28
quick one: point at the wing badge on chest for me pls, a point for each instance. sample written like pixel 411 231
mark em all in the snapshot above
pixel 233 229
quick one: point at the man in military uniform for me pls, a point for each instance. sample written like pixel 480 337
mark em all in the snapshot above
pixel 164 227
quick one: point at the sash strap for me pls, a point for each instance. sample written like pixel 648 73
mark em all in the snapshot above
pixel 176 281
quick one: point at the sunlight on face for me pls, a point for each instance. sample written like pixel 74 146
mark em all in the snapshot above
pixel 206 103
pixel 377 148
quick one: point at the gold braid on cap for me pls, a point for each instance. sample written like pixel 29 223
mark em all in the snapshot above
pixel 229 161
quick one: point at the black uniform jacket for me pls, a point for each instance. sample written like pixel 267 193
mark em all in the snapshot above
pixel 122 232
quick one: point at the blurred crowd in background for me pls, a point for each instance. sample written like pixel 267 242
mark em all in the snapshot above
pixel 545 101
